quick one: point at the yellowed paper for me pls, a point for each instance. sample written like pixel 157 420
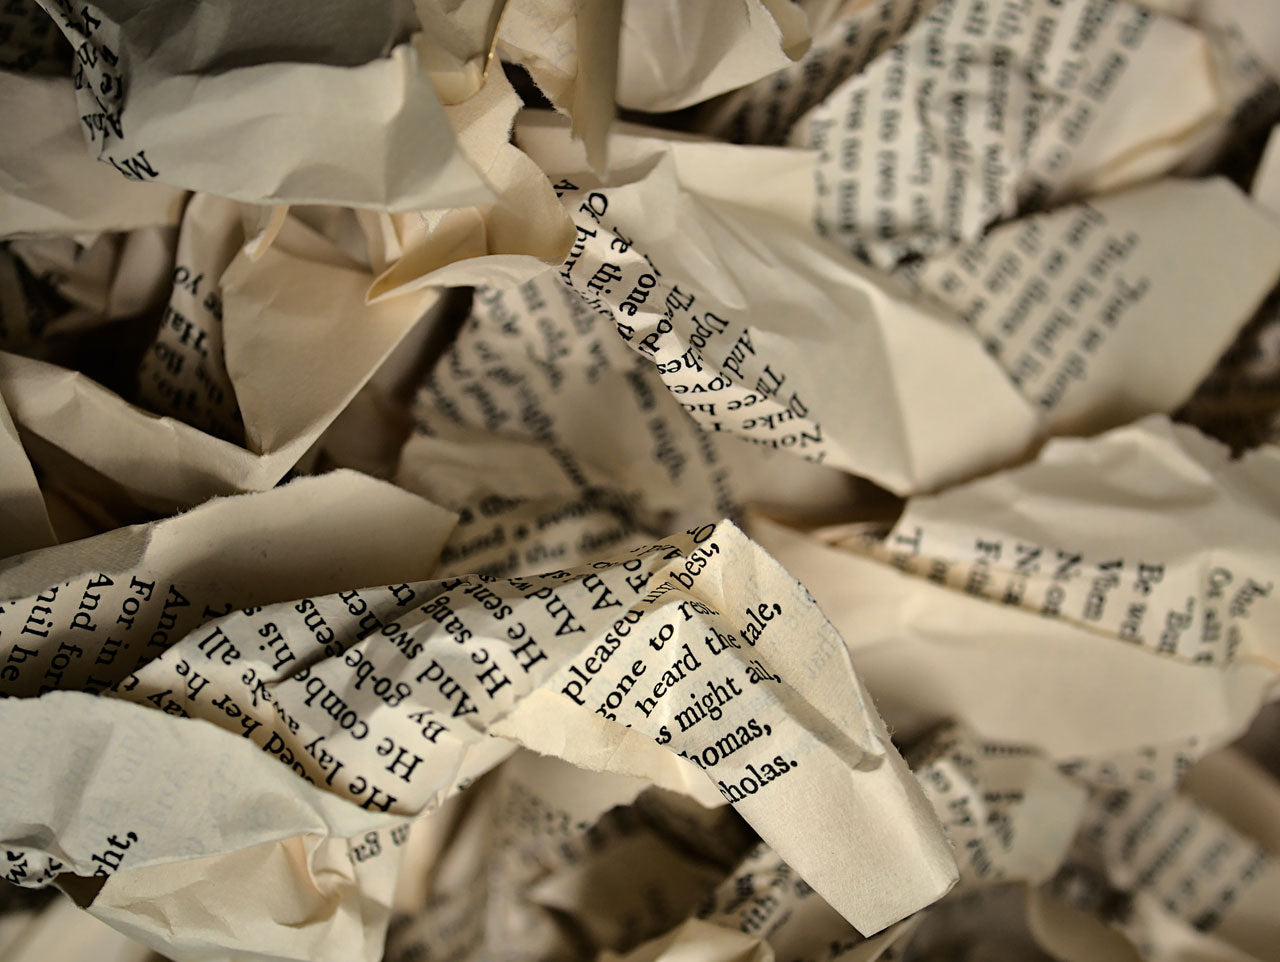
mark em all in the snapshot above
pixel 395 722
pixel 847 36
pixel 152 88
pixel 698 291
pixel 263 706
pixel 764 912
pixel 24 519
pixel 62 931
pixel 977 114
pixel 1165 643
pixel 1010 816
pixel 301 303
pixel 508 241
pixel 1098 312
pixel 47 182
pixel 570 48
pixel 672 55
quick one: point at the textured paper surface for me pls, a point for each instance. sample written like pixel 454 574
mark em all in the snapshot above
pixel 787 480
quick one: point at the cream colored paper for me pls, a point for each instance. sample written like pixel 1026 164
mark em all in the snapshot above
pixel 1238 401
pixel 1266 182
pixel 48 184
pixel 1168 642
pixel 60 286
pixel 247 83
pixel 570 48
pixel 170 789
pixel 672 55
pixel 298 343
pixel 689 265
pixel 1195 888
pixel 308 897
pixel 509 388
pixel 118 616
pixel 847 35
pixel 184 374
pixel 1099 312
pixel 507 241
pixel 501 721
pixel 980 112
pixel 1259 24
pixel 115 602
pixel 61 931
pixel 1010 816
pixel 24 519
pixel 1199 592
pixel 764 912
pixel 456 45
pixel 396 722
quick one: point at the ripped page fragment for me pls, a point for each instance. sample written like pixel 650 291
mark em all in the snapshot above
pixel 60 930
pixel 225 100
pixel 688 641
pixel 298 342
pixel 24 519
pixel 1105 638
pixel 672 54
pixel 514 379
pixel 1239 401
pixel 688 264
pixel 1177 880
pixel 847 36
pixel 317 898
pixel 764 911
pixel 517 235
pixel 82 616
pixel 978 113
pixel 1105 311
pixel 63 295
pixel 456 44
pixel 167 789
pixel 1200 591
pixel 47 182
pixel 1009 814
pixel 570 48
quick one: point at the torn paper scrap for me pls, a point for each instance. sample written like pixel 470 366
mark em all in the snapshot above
pixel 48 184
pixel 1190 885
pixel 82 616
pixel 62 931
pixel 24 519
pixel 973 116
pixel 316 898
pixel 570 48
pixel 817 365
pixel 225 101
pixel 1199 591
pixel 1104 638
pixel 302 299
pixel 96 784
pixel 688 641
pixel 520 233
pixel 672 55
pixel 1108 310
pixel 60 288
pixel 1009 814
pixel 763 911
pixel 847 36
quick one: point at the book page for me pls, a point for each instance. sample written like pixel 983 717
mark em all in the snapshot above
pixel 548 480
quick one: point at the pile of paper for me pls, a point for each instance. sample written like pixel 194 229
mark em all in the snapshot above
pixel 640 480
